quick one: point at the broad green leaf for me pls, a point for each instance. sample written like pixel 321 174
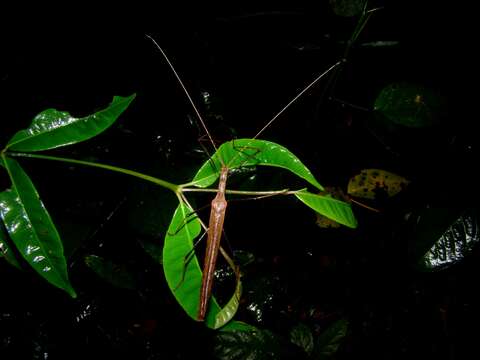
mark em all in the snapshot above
pixel 409 105
pixel 332 208
pixel 454 244
pixel 5 248
pixel 329 341
pixel 31 229
pixel 247 345
pixel 183 272
pixel 52 128
pixel 371 182
pixel 251 152
pixel 302 336
pixel 117 275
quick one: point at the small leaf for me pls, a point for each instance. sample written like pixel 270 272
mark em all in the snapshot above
pixel 332 208
pixel 454 244
pixel 5 248
pixel 181 267
pixel 117 275
pixel 409 105
pixel 247 345
pixel 238 326
pixel 31 228
pixel 372 182
pixel 52 128
pixel 251 152
pixel 230 309
pixel 329 341
pixel 302 336
pixel 347 8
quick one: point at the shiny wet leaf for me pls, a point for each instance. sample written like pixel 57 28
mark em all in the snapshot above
pixel 31 228
pixel 455 243
pixel 6 249
pixel 428 225
pixel 115 274
pixel 251 345
pixel 251 152
pixel 371 183
pixel 52 128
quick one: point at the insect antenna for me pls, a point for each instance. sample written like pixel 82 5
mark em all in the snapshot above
pixel 298 96
pixel 197 112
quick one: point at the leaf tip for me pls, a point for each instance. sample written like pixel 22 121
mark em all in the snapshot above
pixel 71 292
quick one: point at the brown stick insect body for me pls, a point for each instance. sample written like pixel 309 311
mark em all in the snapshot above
pixel 215 230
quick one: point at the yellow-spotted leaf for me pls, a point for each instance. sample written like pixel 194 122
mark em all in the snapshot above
pixel 371 183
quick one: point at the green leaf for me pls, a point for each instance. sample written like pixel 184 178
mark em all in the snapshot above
pixel 31 228
pixel 5 248
pixel 251 152
pixel 117 275
pixel 332 208
pixel 183 272
pixel 409 105
pixel 429 224
pixel 247 345
pixel 238 326
pixel 336 193
pixel 52 128
pixel 230 309
pixel 329 341
pixel 302 336
pixel 454 244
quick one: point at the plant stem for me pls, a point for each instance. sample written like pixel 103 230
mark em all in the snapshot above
pixel 173 187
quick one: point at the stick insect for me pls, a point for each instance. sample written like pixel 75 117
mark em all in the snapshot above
pixel 219 203
pixel 52 128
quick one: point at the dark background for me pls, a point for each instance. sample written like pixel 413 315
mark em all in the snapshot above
pixel 251 61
